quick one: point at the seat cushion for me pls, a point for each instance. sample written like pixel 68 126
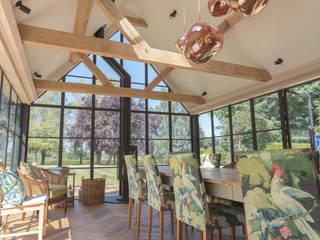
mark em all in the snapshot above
pixel 167 200
pixel 13 188
pixel 31 171
pixel 57 191
pixel 36 199
pixel 222 216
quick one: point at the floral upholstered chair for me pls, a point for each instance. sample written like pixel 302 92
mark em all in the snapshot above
pixel 137 188
pixel 159 198
pixel 281 198
pixel 191 201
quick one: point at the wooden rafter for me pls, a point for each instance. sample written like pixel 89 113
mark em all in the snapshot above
pixel 95 70
pixel 138 22
pixel 229 22
pixel 122 23
pixel 37 36
pixel 163 74
pixel 50 85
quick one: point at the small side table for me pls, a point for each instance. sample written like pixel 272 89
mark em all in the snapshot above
pixel 73 183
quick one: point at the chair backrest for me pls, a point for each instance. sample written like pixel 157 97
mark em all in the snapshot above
pixel 281 198
pixel 153 181
pixel 189 189
pixel 132 171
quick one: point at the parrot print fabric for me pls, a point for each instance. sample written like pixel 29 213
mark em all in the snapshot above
pixel 191 201
pixel 137 186
pixel 158 198
pixel 281 196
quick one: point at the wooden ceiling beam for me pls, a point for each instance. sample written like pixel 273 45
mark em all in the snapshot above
pixel 122 23
pixel 229 22
pixel 51 85
pixel 163 74
pixel 37 36
pixel 95 70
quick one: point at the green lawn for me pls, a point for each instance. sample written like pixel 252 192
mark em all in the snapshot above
pixel 110 173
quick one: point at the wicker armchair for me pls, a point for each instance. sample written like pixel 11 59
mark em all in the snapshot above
pixel 52 184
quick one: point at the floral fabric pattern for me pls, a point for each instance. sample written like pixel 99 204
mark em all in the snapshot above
pixel 137 187
pixel 191 200
pixel 13 188
pixel 281 198
pixel 158 198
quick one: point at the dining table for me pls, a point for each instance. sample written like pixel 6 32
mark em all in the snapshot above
pixel 219 182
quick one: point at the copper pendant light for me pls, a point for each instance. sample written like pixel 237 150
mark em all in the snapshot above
pixel 203 41
pixel 248 7
pixel 218 8
pixel 180 43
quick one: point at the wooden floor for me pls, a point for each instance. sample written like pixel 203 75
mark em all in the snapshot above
pixel 108 221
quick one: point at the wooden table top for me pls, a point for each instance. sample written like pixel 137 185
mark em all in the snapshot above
pixel 225 176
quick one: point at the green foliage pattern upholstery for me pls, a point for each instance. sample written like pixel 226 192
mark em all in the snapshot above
pixel 191 200
pixel 31 171
pixel 137 188
pixel 158 197
pixel 13 188
pixel 281 198
pixel 57 191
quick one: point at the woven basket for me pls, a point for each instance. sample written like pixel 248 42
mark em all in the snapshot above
pixel 92 191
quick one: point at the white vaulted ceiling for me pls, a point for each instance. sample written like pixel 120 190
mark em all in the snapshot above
pixel 287 29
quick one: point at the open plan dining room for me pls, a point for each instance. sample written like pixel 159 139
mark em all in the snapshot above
pixel 173 119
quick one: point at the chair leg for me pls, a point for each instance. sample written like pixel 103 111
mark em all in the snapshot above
pixel 192 228
pixel 207 235
pixel 233 233
pixel 138 219
pixel 218 232
pixel 244 230
pixel 41 222
pixel 161 224
pixel 150 223
pixel 65 204
pixel 45 219
pixel 23 216
pixel 130 212
pixel 179 230
pixel 171 222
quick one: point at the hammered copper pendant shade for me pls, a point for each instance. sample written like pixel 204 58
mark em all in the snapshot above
pixel 203 41
pixel 248 7
pixel 180 43
pixel 218 8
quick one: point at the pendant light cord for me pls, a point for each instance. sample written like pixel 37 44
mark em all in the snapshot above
pixel 184 15
pixel 199 9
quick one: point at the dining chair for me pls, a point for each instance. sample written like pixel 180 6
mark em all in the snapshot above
pixel 281 199
pixel 137 189
pixel 159 198
pixel 192 205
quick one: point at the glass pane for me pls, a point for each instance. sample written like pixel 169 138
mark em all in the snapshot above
pixel 115 37
pixel 77 123
pixel 105 68
pixel 138 104
pixel 15 162
pixel 181 146
pixel 221 122
pixel 5 97
pixel 50 98
pixel 177 108
pixel 10 151
pixel 141 144
pixel 76 152
pixel 205 125
pixel 105 151
pixel 241 118
pixel 44 122
pixel 152 74
pixel 223 147
pixel 181 127
pixel 77 99
pixel 43 151
pixel 13 106
pixel 205 145
pixel 3 142
pixel 158 105
pixel 267 113
pixel 138 125
pixel 18 119
pixel 243 142
pixel 107 124
pixel 158 126
pixel 300 138
pixel 160 150
pixel 80 172
pixel 136 71
pixel 80 70
pixel 111 174
pixel 269 140
pixel 107 102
